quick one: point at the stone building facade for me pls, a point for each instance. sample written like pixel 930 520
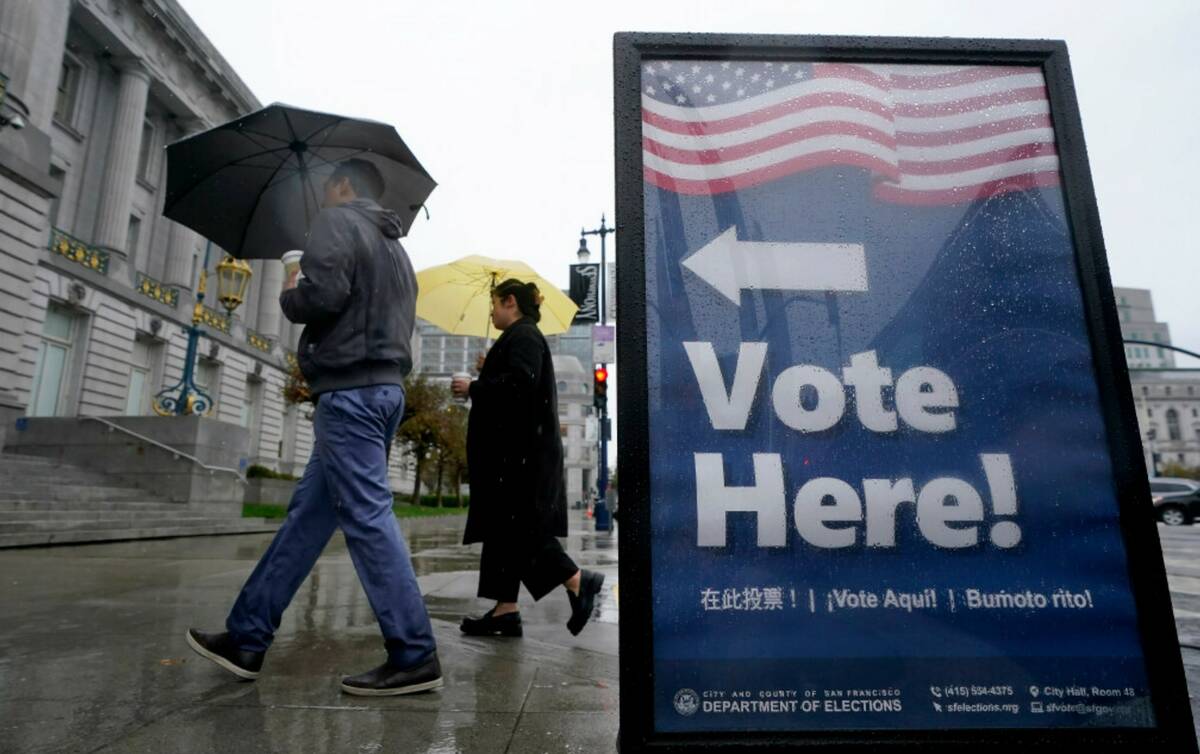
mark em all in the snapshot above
pixel 1167 398
pixel 1168 412
pixel 97 288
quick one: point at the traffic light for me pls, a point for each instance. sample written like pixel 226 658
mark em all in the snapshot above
pixel 600 389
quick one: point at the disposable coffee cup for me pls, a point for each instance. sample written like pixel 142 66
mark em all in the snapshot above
pixel 291 262
pixel 461 376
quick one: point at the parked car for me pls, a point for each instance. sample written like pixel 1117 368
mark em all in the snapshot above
pixel 1176 501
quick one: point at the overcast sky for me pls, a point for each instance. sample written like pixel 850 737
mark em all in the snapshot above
pixel 509 106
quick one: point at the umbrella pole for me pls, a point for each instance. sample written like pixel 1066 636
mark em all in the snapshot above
pixel 487 338
pixel 306 190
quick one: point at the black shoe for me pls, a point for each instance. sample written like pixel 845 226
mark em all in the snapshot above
pixel 220 649
pixel 389 680
pixel 508 624
pixel 583 604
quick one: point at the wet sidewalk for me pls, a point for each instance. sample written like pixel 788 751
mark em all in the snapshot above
pixel 93 656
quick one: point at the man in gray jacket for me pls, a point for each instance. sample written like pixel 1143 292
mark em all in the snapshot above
pixel 357 300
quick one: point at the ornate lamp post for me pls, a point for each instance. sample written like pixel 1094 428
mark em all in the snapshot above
pixel 603 520
pixel 184 397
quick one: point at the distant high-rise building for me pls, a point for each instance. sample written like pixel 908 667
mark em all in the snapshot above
pixel 1135 309
pixel 440 354
pixel 578 425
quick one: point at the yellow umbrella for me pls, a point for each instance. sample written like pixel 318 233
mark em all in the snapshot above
pixel 457 297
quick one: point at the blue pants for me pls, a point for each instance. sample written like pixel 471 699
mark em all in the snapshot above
pixel 345 484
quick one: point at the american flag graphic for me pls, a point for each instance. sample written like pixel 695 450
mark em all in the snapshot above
pixel 929 134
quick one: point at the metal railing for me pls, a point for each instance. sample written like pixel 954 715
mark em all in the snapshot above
pixel 175 452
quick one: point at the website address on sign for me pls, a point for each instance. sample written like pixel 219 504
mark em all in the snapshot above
pixel 982 707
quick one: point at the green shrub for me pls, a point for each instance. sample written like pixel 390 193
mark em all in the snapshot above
pixel 1178 470
pixel 263 510
pixel 258 471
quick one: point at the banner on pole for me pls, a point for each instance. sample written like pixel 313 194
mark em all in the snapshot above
pixel 585 291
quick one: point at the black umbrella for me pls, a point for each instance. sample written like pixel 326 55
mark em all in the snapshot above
pixel 253 185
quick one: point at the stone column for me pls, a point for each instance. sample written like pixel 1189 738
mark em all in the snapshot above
pixel 180 249
pixel 182 246
pixel 33 35
pixel 125 140
pixel 269 314
pixel 250 306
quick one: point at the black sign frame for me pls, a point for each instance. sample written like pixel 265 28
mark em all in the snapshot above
pixel 1147 573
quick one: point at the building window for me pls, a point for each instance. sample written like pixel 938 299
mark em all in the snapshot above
pixel 1173 432
pixel 1167 389
pixel 133 236
pixel 137 402
pixel 146 153
pixel 56 174
pixel 1191 390
pixel 252 413
pixel 250 410
pixel 69 79
pixel 1150 413
pixel 54 362
pixel 1145 390
pixel 208 379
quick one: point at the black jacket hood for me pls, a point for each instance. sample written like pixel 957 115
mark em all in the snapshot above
pixel 386 220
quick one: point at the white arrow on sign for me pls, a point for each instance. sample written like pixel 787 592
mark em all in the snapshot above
pixel 729 265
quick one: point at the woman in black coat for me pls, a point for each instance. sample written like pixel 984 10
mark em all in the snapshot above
pixel 515 464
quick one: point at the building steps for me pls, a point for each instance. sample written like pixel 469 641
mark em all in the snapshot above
pixel 46 502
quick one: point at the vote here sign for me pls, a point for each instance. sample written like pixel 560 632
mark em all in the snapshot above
pixel 880 414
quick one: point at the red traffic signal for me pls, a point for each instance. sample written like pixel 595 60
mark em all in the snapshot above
pixel 600 389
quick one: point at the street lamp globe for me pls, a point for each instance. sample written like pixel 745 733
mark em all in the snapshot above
pixel 583 252
pixel 233 275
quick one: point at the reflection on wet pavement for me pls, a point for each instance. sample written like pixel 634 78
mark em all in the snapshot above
pixel 92 656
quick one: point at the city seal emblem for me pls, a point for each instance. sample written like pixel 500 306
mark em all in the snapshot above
pixel 686 702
